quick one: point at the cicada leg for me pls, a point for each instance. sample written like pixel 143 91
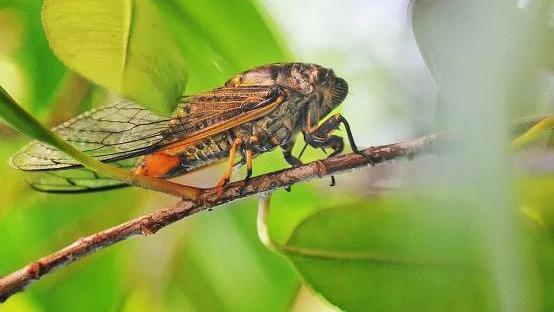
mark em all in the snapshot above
pixel 290 159
pixel 321 137
pixel 336 143
pixel 245 148
pixel 229 168
pixel 287 154
pixel 248 157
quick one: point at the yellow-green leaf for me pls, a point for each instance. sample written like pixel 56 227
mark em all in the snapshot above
pixel 124 45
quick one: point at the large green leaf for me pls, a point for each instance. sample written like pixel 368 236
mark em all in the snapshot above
pixel 415 253
pixel 235 28
pixel 393 254
pixel 220 38
pixel 124 45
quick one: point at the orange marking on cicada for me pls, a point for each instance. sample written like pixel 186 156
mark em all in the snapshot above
pixel 157 164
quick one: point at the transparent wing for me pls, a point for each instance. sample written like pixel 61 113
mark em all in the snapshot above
pixel 114 132
pixel 126 130
pixel 76 180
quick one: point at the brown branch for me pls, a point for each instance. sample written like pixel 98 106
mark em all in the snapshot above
pixel 152 222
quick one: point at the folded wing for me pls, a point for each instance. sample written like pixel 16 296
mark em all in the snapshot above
pixel 75 180
pixel 119 131
pixel 122 132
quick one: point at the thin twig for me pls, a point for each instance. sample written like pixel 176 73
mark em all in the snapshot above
pixel 152 222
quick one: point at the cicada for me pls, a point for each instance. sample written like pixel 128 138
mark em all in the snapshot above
pixel 254 112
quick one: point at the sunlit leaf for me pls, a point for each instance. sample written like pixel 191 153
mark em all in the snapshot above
pixel 124 45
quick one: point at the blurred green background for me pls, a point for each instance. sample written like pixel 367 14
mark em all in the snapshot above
pixel 469 230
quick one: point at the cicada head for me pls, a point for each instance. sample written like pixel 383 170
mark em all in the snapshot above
pixel 319 84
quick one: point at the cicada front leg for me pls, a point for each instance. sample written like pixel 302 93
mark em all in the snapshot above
pixel 287 154
pixel 321 137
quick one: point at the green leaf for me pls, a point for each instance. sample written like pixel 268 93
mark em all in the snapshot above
pixel 227 36
pixel 125 45
pixel 391 254
pixel 236 28
pixel 248 270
